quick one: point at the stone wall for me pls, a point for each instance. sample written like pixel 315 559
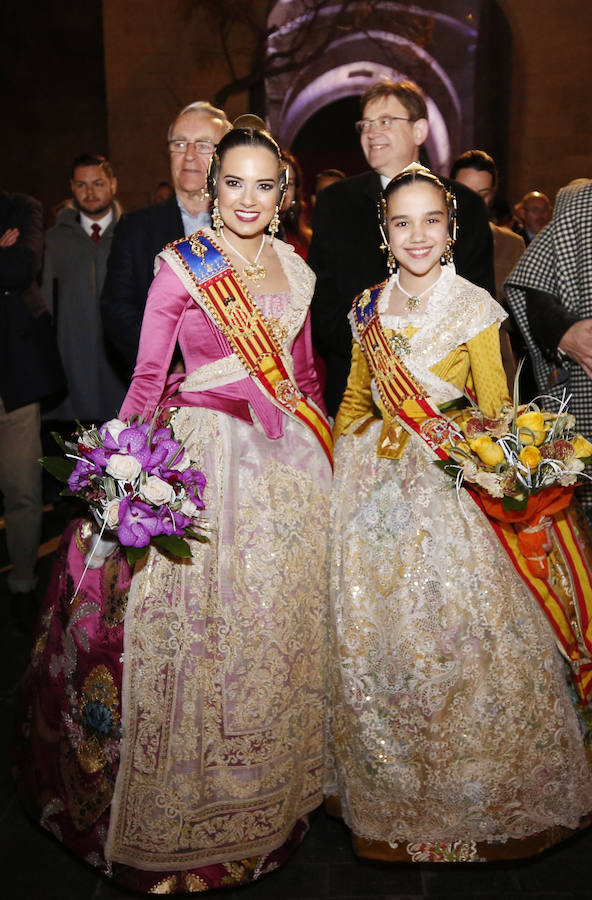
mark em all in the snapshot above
pixel 159 56
pixel 550 115
pixel 52 83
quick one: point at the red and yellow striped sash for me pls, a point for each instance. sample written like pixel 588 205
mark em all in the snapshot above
pixel 250 335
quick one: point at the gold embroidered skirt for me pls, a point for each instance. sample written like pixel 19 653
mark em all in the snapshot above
pixel 452 723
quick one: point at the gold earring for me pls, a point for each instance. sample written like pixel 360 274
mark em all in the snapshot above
pixel 216 218
pixel 447 256
pixel 275 223
pixel 391 262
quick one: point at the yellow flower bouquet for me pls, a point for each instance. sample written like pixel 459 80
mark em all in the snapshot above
pixel 524 465
pixel 511 460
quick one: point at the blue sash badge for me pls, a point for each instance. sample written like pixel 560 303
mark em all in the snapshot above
pixel 200 256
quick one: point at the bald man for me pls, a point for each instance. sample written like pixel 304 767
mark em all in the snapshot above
pixel 536 211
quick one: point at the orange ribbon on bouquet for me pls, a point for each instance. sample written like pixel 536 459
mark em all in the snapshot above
pixel 529 523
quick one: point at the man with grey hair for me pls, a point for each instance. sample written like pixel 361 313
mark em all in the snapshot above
pixel 140 235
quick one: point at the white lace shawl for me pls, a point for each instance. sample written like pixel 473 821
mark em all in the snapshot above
pixel 456 312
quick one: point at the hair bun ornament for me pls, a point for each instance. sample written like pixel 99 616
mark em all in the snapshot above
pixel 416 168
pixel 249 120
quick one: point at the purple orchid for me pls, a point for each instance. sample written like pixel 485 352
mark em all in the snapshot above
pixel 173 522
pixel 194 482
pixel 108 439
pixel 161 457
pixel 101 455
pixel 161 434
pixel 138 523
pixel 134 440
pixel 80 477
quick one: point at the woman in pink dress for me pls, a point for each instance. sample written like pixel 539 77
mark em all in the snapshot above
pixel 173 727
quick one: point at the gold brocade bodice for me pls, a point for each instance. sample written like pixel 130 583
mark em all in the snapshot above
pixel 475 365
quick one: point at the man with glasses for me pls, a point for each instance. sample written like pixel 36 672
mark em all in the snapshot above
pixel 345 249
pixel 140 235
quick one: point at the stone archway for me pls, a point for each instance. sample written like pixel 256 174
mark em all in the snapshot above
pixel 441 50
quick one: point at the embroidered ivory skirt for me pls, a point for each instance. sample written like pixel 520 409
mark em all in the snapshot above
pixel 191 760
pixel 453 732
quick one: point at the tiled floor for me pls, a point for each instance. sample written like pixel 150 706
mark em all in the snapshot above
pixel 35 867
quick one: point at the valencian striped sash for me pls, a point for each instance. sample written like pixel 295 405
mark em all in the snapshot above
pixel 402 396
pixel 569 608
pixel 250 335
pixel 395 383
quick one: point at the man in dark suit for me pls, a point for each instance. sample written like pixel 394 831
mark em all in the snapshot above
pixel 345 249
pixel 140 235
pixel 30 369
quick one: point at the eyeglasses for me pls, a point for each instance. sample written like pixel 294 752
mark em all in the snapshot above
pixel 200 146
pixel 382 124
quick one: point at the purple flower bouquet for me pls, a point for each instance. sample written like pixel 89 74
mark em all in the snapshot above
pixel 138 482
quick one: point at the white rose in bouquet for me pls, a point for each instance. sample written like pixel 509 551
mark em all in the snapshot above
pixel 181 463
pixel 156 491
pixel 188 508
pixel 112 513
pixel 123 467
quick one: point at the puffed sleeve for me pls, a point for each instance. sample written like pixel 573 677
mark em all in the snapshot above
pixel 165 308
pixel 305 371
pixel 357 400
pixel 487 371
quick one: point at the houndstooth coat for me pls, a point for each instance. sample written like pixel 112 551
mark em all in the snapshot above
pixel 559 261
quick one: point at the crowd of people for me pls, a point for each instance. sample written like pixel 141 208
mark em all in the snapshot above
pixel 351 632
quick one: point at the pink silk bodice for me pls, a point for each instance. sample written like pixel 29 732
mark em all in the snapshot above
pixel 172 315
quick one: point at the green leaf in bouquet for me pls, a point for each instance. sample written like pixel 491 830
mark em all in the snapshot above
pixel 134 554
pixel 58 466
pixel 515 503
pixel 110 489
pixel 516 395
pixel 157 412
pixel 173 545
pixel 64 445
pixel 458 403
pixel 197 536
pixel 451 468
pixel 557 428
pixel 91 434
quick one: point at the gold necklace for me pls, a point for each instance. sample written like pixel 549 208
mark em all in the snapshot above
pixel 254 271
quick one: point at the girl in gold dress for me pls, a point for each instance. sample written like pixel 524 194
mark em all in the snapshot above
pixel 453 733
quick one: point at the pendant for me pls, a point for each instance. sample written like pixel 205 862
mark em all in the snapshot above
pixel 413 302
pixel 255 272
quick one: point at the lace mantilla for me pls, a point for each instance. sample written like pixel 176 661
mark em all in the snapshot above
pixel 456 312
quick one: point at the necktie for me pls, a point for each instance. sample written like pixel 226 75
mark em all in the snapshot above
pixel 96 231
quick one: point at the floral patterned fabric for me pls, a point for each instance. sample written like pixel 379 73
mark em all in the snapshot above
pixel 453 733
pixel 173 717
